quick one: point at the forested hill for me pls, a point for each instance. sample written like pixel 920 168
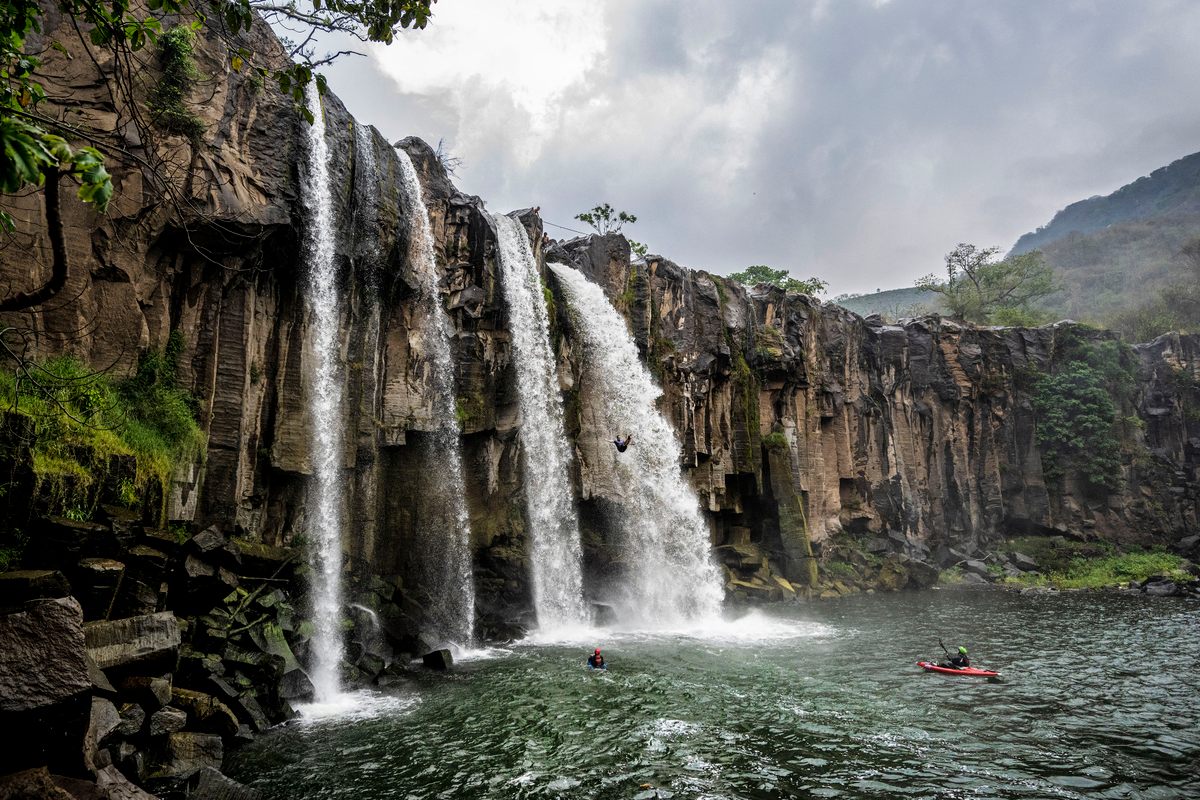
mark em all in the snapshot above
pixel 1172 191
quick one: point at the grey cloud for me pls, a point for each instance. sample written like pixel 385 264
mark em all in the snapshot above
pixel 889 135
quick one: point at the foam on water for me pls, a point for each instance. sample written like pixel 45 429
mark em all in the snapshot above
pixel 754 628
pixel 355 706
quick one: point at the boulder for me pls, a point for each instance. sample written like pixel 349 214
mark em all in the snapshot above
pixel 948 556
pixel 42 656
pixel 1161 588
pixel 921 574
pixel 1189 546
pixel 1023 562
pixel 205 712
pixel 102 724
pixel 209 540
pixel 893 575
pixel 115 786
pixel 20 586
pixel 973 567
pixel 438 660
pixel 105 721
pixel 212 785
pixel 97 582
pixel 31 784
pixel 150 692
pixel 973 579
pixel 133 717
pixel 185 754
pixel 167 720
pixel 135 640
pixel 263 560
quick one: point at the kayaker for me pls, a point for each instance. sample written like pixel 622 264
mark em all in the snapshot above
pixel 596 661
pixel 960 661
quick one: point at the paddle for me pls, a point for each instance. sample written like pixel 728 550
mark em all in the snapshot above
pixel 944 650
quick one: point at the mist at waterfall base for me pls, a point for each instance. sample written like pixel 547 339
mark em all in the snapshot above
pixel 670 576
pixel 556 553
pixel 1098 699
pixel 324 389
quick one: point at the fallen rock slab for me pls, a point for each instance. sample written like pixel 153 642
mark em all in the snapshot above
pixel 42 655
pixel 134 640
pixel 21 585
pixel 211 784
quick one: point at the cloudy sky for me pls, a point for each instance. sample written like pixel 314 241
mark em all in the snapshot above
pixel 855 140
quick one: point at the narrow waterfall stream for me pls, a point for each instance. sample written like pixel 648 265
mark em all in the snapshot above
pixel 446 555
pixel 323 385
pixel 549 502
pixel 666 542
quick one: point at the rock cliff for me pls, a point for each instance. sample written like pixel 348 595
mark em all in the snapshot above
pixel 801 423
pixel 812 436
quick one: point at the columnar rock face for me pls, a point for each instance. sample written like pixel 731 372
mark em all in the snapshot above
pixel 798 420
pixel 925 432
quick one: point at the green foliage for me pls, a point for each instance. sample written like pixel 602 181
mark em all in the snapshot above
pixel 175 51
pixel 779 278
pixel 637 248
pixel 80 420
pixel 978 287
pixel 604 219
pixel 775 441
pixel 1076 413
pixel 1106 571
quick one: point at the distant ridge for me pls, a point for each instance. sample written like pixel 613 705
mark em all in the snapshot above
pixel 1170 191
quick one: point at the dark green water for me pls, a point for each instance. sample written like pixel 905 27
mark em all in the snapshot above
pixel 1100 698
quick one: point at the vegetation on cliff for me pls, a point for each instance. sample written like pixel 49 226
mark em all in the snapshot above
pixel 1077 416
pixel 1069 564
pixel 779 278
pixel 80 425
pixel 982 289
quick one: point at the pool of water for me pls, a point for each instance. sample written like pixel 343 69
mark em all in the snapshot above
pixel 1100 697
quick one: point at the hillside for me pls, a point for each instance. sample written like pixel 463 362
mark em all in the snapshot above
pixel 1114 253
pixel 891 303
pixel 1169 193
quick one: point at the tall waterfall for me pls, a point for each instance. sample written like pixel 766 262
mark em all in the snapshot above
pixel 549 499
pixel 666 544
pixel 323 385
pixel 447 528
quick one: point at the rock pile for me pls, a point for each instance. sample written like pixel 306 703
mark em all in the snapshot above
pixel 135 657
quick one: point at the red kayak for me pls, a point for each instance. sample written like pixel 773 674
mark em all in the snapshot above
pixel 929 666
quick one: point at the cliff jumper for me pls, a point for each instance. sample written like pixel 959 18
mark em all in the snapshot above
pixel 622 444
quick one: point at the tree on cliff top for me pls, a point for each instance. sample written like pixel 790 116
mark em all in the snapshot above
pixel 981 289
pixel 604 219
pixel 780 278
pixel 34 148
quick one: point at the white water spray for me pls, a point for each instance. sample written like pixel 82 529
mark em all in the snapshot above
pixel 549 501
pixel 447 534
pixel 324 389
pixel 672 578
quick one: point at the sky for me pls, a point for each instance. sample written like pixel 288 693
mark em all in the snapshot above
pixel 853 140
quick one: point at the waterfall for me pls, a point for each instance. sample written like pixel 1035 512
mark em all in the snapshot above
pixel 549 500
pixel 323 386
pixel 447 532
pixel 665 541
